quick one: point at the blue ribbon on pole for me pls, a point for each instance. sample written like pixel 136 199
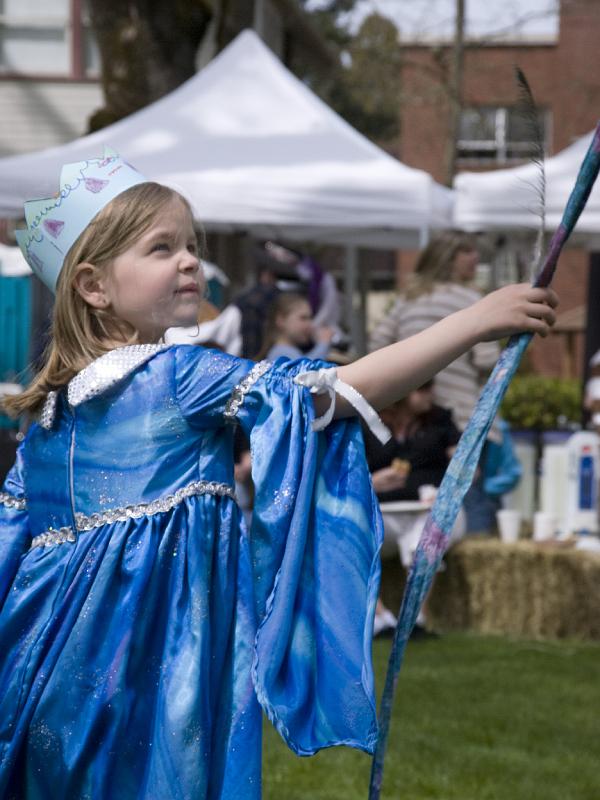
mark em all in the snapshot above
pixel 459 475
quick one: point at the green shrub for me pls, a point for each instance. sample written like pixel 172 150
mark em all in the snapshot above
pixel 533 401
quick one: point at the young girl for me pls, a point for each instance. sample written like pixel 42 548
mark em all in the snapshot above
pixel 141 627
pixel 290 328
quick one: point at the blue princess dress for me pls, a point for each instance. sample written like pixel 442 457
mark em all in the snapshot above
pixel 141 626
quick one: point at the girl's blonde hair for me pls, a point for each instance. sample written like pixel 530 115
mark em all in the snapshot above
pixel 81 333
pixel 282 306
pixel 436 262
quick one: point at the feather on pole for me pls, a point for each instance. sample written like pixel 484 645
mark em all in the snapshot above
pixel 531 116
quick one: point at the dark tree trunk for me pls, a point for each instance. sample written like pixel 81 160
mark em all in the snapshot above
pixel 147 49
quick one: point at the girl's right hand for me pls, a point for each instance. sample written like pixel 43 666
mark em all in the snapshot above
pixel 514 309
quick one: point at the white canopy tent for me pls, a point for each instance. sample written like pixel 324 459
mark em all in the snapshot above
pixel 254 149
pixel 507 200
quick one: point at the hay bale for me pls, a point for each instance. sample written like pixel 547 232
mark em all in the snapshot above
pixel 526 589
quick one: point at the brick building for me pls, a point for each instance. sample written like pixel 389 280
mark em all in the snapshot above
pixel 564 74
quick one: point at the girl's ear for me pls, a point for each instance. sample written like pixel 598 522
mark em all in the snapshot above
pixel 89 282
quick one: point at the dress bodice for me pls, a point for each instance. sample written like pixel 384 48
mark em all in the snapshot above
pixel 120 441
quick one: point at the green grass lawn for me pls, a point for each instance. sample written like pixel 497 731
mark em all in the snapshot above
pixel 476 718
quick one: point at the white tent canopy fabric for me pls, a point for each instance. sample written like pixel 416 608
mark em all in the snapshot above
pixel 254 149
pixel 508 199
pixel 12 262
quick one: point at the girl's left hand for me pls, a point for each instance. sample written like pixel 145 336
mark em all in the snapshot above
pixel 515 309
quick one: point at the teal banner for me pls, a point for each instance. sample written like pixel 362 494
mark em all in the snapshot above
pixel 15 332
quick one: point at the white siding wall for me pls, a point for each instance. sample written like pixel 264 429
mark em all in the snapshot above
pixel 36 115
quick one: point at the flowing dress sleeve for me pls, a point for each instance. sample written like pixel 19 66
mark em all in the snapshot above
pixel 314 543
pixel 15 537
pixel 315 540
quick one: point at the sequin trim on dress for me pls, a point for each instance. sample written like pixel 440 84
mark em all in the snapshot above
pixel 10 501
pixel 87 523
pixel 108 370
pixel 100 375
pixel 51 536
pixel 49 410
pixel 155 507
pixel 241 390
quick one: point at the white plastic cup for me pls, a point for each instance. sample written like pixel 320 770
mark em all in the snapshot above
pixel 544 526
pixel 509 524
pixel 427 493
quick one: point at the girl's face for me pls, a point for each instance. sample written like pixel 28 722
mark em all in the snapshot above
pixel 296 325
pixel 157 283
pixel 465 264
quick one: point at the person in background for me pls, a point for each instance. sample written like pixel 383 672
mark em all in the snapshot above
pixel 308 277
pixel 500 473
pixel 423 439
pixel 290 331
pixel 441 285
pixel 322 292
pixel 592 392
pixel 254 305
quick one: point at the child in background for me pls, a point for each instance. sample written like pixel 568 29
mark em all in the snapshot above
pixel 500 473
pixel 290 331
pixel 142 627
pixel 423 439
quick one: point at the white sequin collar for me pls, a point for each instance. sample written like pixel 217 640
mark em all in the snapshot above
pixel 100 375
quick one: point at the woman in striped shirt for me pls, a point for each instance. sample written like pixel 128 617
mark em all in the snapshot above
pixel 440 286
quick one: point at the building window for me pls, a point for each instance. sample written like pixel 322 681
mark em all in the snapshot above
pixel 498 135
pixel 51 38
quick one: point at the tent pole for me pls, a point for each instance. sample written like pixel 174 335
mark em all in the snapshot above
pixel 363 286
pixel 350 312
pixel 258 23
pixel 248 259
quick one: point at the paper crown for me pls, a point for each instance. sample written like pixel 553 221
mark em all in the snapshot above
pixel 54 223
